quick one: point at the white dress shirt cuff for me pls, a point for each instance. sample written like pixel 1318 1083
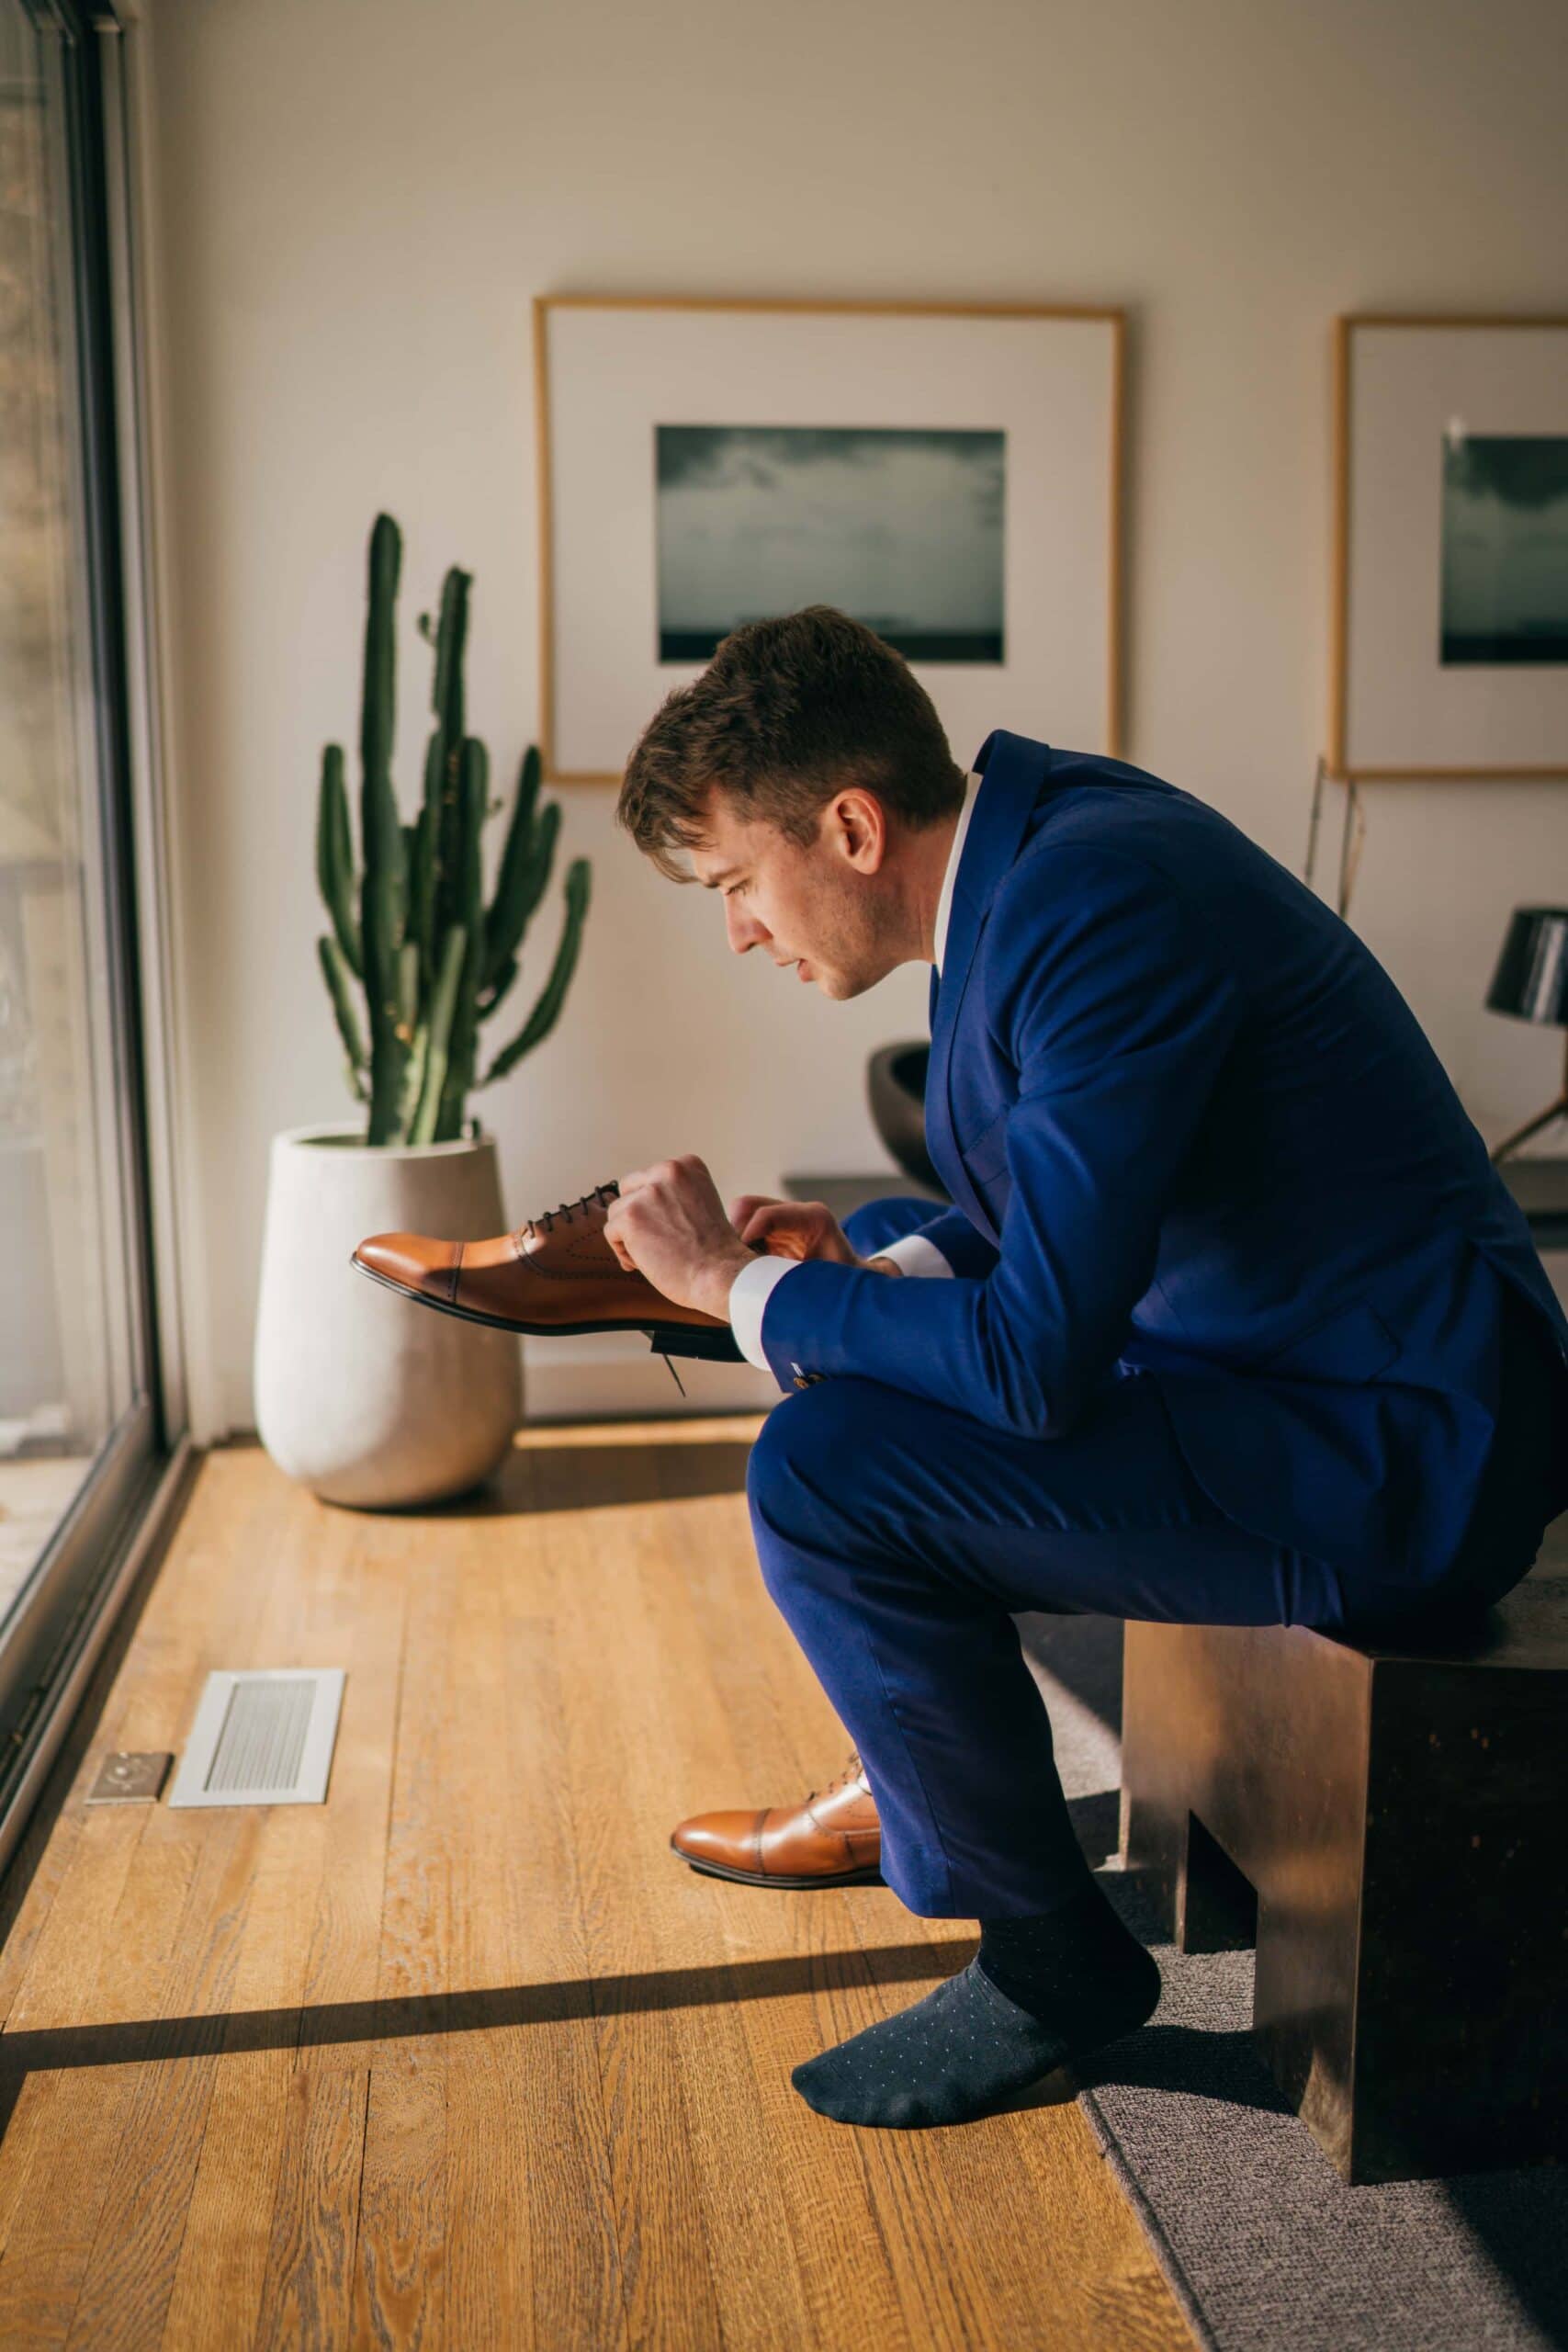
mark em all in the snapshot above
pixel 913 1255
pixel 753 1286
pixel 749 1294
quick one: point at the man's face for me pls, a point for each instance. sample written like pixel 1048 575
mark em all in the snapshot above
pixel 822 907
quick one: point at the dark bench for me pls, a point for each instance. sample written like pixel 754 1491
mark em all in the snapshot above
pixel 1390 1827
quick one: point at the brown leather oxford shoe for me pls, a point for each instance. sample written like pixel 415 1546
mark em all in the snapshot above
pixel 556 1274
pixel 833 1840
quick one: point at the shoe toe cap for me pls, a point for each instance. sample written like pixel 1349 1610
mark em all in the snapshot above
pixel 407 1259
pixel 727 1838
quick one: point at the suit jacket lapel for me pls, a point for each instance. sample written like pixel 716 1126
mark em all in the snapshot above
pixel 1014 769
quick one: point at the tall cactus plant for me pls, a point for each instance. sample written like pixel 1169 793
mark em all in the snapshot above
pixel 409 926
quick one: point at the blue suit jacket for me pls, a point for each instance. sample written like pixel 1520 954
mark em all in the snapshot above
pixel 1189 1125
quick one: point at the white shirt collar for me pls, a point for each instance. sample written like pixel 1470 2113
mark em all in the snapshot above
pixel 944 904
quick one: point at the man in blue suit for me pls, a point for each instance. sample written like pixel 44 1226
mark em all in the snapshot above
pixel 1232 1320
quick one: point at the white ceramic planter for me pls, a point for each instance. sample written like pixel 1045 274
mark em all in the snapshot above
pixel 361 1396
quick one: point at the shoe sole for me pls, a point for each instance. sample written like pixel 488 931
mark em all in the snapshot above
pixel 680 1339
pixel 767 1878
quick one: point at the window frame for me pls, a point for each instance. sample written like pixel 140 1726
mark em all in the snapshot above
pixel 66 1609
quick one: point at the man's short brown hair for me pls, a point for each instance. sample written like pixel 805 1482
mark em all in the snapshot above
pixel 787 713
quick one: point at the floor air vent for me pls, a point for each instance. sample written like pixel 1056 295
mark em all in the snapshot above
pixel 262 1738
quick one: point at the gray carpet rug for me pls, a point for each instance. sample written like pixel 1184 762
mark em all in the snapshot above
pixel 1264 2245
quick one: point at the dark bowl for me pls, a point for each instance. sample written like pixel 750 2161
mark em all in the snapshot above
pixel 896 1089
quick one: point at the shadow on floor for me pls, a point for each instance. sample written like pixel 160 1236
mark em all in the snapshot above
pixel 150 2041
pixel 1521 2219
pixel 592 1477
pixel 1097 1823
pixel 1084 1655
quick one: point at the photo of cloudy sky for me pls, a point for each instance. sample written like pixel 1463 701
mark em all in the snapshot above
pixel 1505 547
pixel 900 529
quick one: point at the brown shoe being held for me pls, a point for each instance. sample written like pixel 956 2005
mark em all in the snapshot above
pixel 556 1274
pixel 834 1838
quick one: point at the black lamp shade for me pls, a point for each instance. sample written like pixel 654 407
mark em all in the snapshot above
pixel 1531 977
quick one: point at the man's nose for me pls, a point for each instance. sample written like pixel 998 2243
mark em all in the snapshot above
pixel 744 929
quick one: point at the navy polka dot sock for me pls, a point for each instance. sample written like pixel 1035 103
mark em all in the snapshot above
pixel 1039 1992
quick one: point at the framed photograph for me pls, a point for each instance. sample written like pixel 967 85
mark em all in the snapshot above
pixel 1450 611
pixel 949 475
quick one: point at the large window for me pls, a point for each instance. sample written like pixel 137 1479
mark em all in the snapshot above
pixel 78 1425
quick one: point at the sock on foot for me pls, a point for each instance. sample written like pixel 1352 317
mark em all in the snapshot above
pixel 1052 1959
pixel 970 2044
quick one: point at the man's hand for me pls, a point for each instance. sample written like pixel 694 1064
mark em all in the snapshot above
pixel 799 1229
pixel 668 1223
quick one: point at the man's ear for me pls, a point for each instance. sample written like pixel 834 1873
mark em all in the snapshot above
pixel 863 827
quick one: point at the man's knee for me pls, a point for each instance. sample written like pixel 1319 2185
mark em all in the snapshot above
pixel 863 1228
pixel 803 1484
pixel 874 1223
pixel 788 1453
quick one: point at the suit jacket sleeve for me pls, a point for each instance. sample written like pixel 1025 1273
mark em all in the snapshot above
pixel 959 1249
pixel 1109 997
pixel 967 1250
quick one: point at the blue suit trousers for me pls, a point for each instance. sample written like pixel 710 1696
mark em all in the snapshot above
pixel 898 1538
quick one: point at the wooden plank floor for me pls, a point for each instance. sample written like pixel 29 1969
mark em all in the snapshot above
pixel 465 2058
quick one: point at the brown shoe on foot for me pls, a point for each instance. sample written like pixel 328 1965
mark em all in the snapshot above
pixel 556 1274
pixel 833 1840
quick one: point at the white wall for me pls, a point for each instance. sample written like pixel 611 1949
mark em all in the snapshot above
pixel 360 197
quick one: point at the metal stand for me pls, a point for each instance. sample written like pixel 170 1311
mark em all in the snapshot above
pixel 1351 836
pixel 1558 1110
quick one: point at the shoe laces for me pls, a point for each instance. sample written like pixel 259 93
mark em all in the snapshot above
pixel 545 1221
pixel 852 1770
